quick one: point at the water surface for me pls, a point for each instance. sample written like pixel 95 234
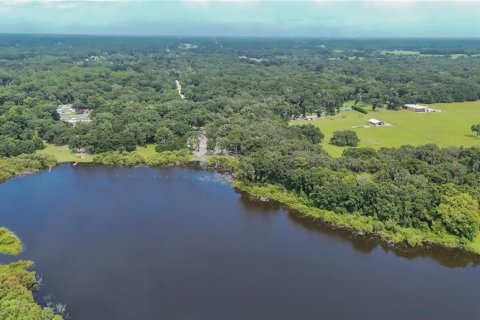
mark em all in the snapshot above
pixel 145 243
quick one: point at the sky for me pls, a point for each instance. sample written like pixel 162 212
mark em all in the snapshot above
pixel 280 18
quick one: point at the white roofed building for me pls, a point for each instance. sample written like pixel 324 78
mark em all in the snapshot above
pixel 420 108
pixel 375 122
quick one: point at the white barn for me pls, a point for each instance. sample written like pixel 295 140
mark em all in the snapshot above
pixel 416 108
pixel 376 122
pixel 420 108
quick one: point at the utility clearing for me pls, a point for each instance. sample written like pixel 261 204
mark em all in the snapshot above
pixel 179 89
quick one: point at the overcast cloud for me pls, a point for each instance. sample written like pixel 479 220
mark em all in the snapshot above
pixel 408 18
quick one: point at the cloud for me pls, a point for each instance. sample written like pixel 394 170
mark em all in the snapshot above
pixel 244 17
pixel 59 4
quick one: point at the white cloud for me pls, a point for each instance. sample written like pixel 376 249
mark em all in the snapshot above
pixel 59 4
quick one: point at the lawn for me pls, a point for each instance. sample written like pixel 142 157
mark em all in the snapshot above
pixel 147 151
pixel 64 154
pixel 451 127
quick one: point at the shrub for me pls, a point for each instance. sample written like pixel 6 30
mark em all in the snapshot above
pixel 222 163
pixel 359 109
pixel 168 158
pixel 345 138
pixel 119 158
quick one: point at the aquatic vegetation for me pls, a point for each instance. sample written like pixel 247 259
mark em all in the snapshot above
pixel 16 285
pixel 23 164
pixel 130 159
pixel 168 158
pixel 226 164
pixel 9 242
pixel 119 158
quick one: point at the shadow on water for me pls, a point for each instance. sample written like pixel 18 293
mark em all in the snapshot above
pixel 366 244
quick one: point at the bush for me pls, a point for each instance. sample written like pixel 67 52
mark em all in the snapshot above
pixel 119 158
pixel 16 283
pixel 169 158
pixel 346 138
pixel 460 215
pixel 23 164
pixel 222 163
pixel 359 109
pixel 9 242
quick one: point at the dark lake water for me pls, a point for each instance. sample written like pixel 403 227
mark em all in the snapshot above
pixel 145 243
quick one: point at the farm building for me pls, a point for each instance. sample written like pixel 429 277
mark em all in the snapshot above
pixel 375 122
pixel 311 117
pixel 420 108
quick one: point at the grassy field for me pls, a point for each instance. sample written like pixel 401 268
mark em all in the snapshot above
pixel 146 151
pixel 451 127
pixel 401 52
pixel 64 154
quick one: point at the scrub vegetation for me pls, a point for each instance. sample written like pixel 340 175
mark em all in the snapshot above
pixel 9 242
pixel 129 159
pixel 16 285
pixel 24 164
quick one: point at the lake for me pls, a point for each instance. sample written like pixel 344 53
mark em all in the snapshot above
pixel 180 243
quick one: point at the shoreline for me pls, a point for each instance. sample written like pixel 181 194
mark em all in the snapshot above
pixel 356 224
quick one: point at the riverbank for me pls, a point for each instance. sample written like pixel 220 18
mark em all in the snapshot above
pixel 24 164
pixel 17 283
pixel 9 242
pixel 356 223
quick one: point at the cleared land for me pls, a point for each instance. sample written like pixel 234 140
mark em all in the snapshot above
pixel 147 151
pixel 451 127
pixel 64 154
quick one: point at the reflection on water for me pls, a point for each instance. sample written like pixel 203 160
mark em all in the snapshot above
pixel 451 258
pixel 180 243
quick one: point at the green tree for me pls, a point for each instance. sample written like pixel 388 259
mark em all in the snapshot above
pixel 476 128
pixel 311 133
pixel 345 138
pixel 460 215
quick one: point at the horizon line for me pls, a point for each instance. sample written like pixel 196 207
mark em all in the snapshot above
pixel 393 37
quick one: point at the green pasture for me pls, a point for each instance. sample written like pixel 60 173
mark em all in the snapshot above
pixel 64 154
pixel 451 127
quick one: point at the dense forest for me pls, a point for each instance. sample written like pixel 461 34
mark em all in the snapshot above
pixel 242 94
pixel 129 84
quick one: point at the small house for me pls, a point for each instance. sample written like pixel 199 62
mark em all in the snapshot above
pixel 375 122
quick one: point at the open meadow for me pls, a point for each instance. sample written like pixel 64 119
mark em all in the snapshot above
pixel 64 154
pixel 451 127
